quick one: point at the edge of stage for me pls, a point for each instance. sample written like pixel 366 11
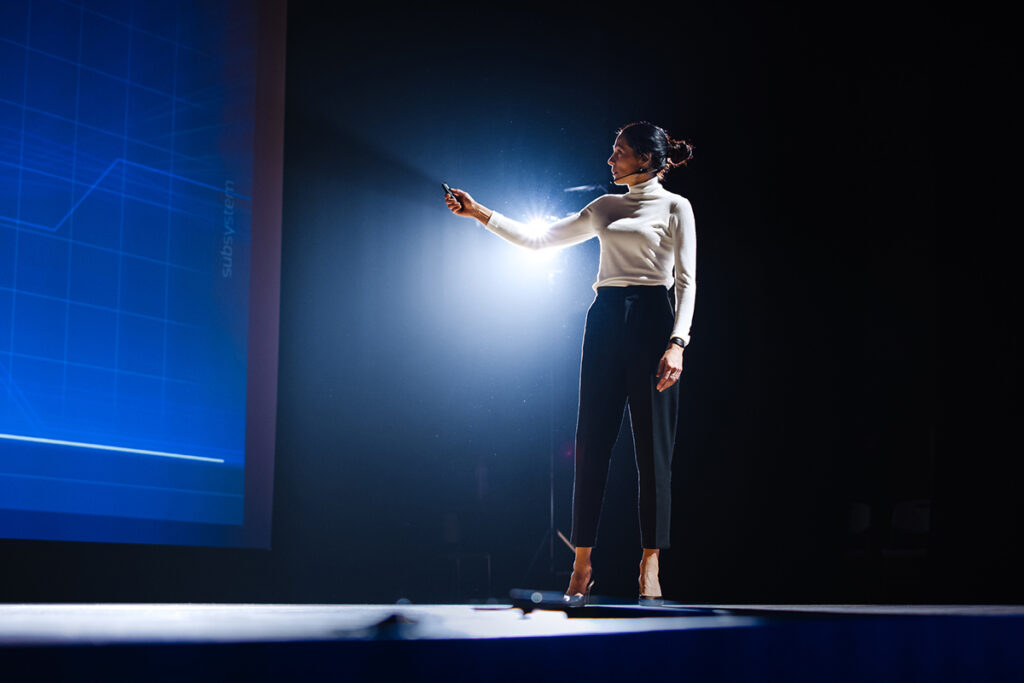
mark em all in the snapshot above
pixel 257 642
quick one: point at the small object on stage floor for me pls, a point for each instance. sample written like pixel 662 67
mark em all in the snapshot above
pixel 529 599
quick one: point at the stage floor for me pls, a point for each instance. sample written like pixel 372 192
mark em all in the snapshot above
pixel 108 624
pixel 256 642
pixel 105 624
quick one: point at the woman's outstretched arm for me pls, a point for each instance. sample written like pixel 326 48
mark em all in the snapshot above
pixel 570 230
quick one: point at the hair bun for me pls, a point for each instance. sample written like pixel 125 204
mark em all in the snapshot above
pixel 680 151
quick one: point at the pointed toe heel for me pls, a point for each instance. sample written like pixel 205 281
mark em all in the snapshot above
pixel 578 599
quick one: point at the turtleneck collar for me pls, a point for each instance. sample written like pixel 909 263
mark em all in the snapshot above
pixel 646 187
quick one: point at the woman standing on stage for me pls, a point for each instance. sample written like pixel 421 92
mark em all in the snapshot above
pixel 634 337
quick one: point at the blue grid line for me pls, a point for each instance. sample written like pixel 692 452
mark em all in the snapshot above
pixel 134 28
pixel 29 48
pixel 124 161
pixel 21 160
pixel 128 162
pixel 110 168
pixel 90 366
pixel 98 307
pixel 141 200
pixel 196 129
pixel 120 233
pixel 19 398
pixel 167 241
pixel 42 232
pixel 97 482
pixel 134 141
pixel 188 180
pixel 71 230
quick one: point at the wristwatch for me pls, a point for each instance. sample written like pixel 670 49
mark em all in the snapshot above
pixel 678 341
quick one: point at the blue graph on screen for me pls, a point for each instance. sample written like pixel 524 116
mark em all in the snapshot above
pixel 126 170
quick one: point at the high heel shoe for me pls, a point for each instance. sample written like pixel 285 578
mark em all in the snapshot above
pixel 579 599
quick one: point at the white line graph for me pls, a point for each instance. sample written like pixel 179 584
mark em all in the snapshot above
pixel 103 447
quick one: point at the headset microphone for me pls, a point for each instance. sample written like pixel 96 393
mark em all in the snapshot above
pixel 640 170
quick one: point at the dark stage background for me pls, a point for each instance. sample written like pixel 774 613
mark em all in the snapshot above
pixel 852 372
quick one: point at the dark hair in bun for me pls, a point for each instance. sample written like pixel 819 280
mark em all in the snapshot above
pixel 646 138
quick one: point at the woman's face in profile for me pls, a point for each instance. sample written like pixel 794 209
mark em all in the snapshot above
pixel 624 160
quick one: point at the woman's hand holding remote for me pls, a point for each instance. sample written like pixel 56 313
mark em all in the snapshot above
pixel 469 206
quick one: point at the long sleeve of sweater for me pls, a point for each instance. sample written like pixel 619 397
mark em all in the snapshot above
pixel 684 251
pixel 572 229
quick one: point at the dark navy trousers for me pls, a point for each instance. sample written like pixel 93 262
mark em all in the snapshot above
pixel 626 334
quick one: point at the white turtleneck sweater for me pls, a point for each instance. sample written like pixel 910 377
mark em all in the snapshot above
pixel 644 234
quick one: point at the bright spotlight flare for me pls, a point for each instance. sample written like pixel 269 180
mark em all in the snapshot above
pixel 586 188
pixel 540 225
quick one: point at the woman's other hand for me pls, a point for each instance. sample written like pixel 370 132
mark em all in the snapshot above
pixel 670 367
